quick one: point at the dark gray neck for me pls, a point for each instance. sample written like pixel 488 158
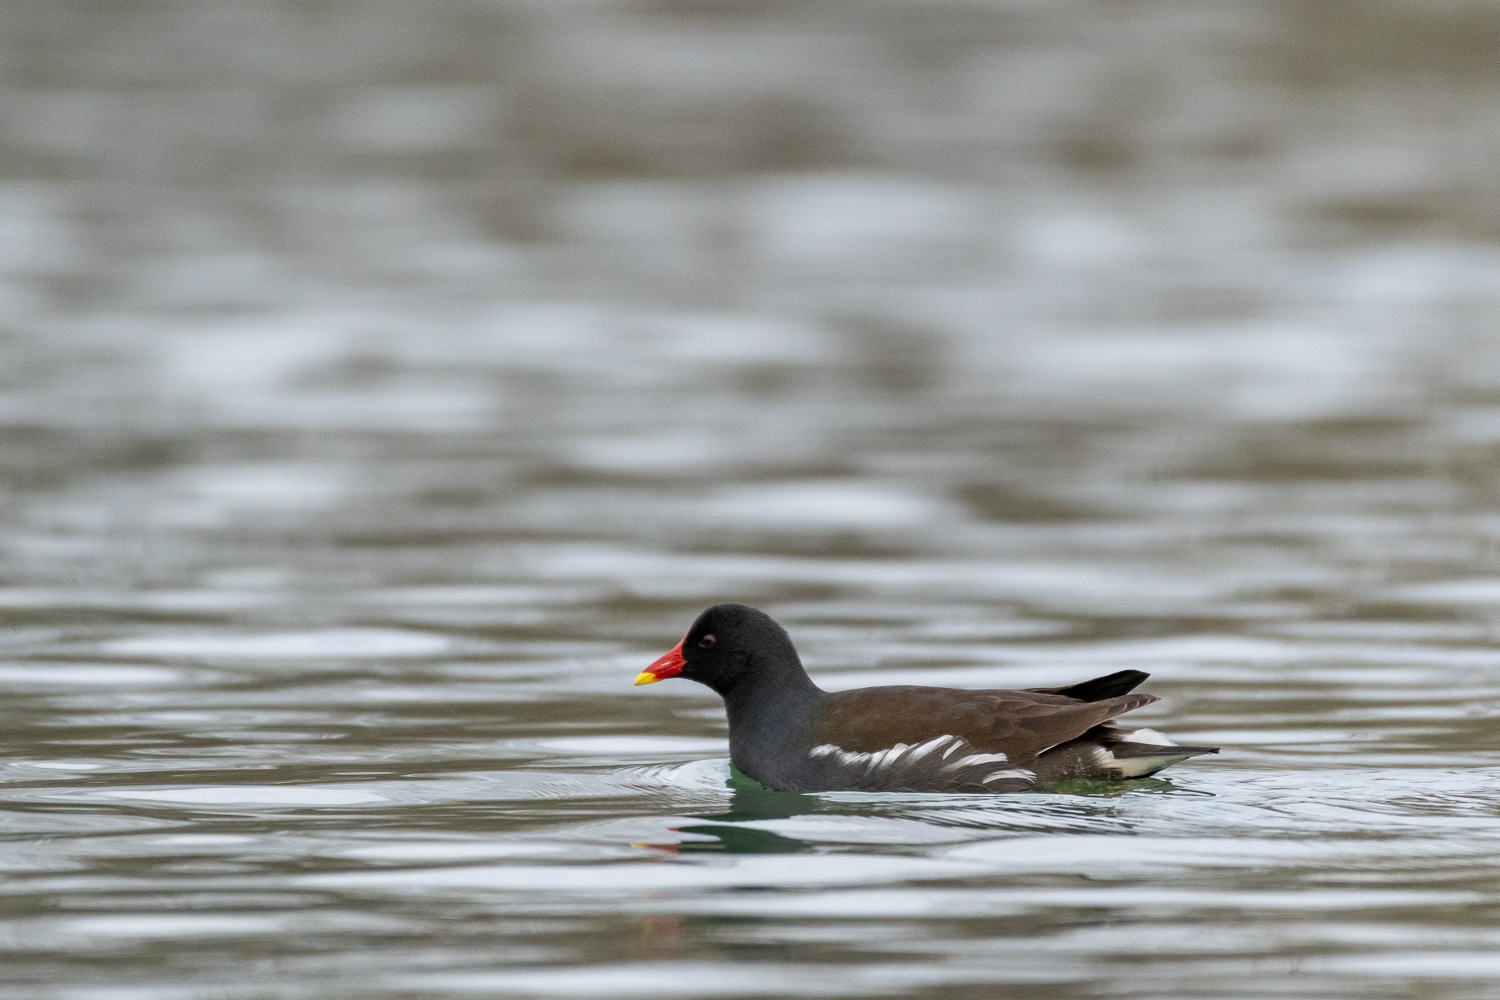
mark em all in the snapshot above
pixel 768 728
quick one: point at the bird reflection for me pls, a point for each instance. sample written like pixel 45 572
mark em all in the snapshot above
pixel 749 800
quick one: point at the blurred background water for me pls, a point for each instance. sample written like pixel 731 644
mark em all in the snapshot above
pixel 383 384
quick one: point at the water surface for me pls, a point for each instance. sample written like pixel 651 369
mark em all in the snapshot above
pixel 382 386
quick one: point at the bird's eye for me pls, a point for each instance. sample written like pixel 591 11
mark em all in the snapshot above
pixel 707 642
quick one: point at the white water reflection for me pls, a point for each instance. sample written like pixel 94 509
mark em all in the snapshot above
pixel 328 643
pixel 826 506
pixel 249 795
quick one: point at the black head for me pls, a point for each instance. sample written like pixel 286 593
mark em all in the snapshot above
pixel 732 647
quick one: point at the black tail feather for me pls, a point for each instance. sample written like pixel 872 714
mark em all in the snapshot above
pixel 1100 688
pixel 1123 750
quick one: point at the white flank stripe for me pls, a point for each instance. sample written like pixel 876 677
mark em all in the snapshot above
pixel 985 758
pixel 924 749
pixel 890 762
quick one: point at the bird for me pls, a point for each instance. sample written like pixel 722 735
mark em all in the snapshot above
pixel 790 735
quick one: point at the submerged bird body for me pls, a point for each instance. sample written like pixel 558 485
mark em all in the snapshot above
pixel 788 734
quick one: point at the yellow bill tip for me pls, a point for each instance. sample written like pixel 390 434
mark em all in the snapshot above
pixel 645 677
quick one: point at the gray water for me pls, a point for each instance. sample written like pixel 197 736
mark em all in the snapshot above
pixel 383 385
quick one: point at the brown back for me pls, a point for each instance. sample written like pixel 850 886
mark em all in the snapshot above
pixel 1019 724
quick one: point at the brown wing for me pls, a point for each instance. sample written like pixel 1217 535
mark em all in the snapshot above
pixel 1019 724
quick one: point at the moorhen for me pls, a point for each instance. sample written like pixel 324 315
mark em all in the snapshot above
pixel 788 734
